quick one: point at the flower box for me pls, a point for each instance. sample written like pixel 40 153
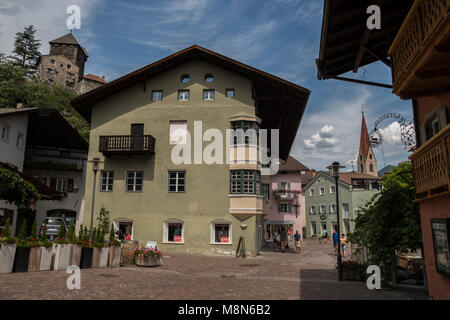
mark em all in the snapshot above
pixel 35 259
pixel 21 259
pixel 86 258
pixel 7 254
pixel 114 256
pixel 150 261
pixel 104 253
pixel 46 259
pixel 75 255
pixel 61 256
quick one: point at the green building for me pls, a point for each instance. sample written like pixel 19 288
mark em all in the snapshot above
pixel 183 105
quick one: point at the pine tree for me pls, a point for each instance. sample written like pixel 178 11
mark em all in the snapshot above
pixel 62 230
pixel 23 231
pixel 7 229
pixel 33 230
pixel 26 49
pixel 71 234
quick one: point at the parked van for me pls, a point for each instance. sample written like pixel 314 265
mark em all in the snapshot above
pixel 53 225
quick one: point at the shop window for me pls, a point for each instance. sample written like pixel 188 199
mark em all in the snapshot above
pixel 173 231
pixel 221 232
pixel 124 229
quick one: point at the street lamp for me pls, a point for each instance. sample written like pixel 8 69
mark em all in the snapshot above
pixel 95 162
pixel 334 168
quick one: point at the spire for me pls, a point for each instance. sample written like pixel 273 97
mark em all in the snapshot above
pixel 364 143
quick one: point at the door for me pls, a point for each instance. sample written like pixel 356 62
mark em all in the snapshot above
pixel 137 136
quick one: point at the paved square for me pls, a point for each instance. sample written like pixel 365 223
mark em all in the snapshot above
pixel 272 275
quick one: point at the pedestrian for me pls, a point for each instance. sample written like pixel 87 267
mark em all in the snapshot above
pixel 297 238
pixel 283 238
pixel 343 244
pixel 325 235
pixel 320 237
pixel 275 239
pixel 335 241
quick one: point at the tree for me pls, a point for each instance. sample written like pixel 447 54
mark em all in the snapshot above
pixel 26 49
pixel 390 222
pixel 14 189
pixel 103 220
pixel 33 230
pixel 62 231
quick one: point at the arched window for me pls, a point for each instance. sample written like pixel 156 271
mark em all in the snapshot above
pixel 362 168
pixel 209 78
pixel 371 167
pixel 185 78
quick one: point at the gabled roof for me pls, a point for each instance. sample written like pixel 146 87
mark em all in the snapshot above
pixel 292 164
pixel 279 103
pixel 93 77
pixel 68 39
pixel 344 177
pixel 364 143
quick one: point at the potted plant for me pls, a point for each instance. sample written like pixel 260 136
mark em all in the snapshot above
pixel 87 251
pixel 352 271
pixel 100 259
pixel 22 257
pixel 115 249
pixel 75 247
pixel 46 251
pixel 61 249
pixel 8 247
pixel 35 250
pixel 147 257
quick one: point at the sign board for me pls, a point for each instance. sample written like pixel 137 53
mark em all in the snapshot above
pixel 151 245
pixel 177 238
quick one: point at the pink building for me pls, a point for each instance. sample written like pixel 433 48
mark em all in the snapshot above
pixel 285 196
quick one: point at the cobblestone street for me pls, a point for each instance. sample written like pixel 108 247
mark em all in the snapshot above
pixel 272 275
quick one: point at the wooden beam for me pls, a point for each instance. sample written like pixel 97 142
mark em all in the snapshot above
pixel 361 50
pixel 370 83
pixel 372 53
pixel 424 92
pixel 433 73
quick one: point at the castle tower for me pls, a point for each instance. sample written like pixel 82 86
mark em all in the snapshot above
pixel 367 163
pixel 69 47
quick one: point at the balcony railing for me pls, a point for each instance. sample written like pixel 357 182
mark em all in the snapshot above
pixel 414 37
pixel 431 166
pixel 127 144
pixel 284 194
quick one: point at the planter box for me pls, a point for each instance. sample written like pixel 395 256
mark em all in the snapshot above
pixel 96 257
pixel 148 261
pixel 46 259
pixel 35 259
pixel 104 253
pixel 75 255
pixel 86 258
pixel 7 254
pixel 21 259
pixel 114 256
pixel 62 256
pixel 352 275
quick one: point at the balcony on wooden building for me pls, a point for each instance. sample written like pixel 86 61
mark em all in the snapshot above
pixel 431 166
pixel 127 145
pixel 420 53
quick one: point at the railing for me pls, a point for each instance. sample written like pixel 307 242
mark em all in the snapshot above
pixel 431 166
pixel 423 19
pixel 284 194
pixel 127 144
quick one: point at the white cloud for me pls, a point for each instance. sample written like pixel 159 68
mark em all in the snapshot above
pixel 324 139
pixel 391 134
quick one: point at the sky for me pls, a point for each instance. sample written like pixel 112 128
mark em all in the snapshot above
pixel 281 37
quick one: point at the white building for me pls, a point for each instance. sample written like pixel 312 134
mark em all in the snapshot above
pixel 48 152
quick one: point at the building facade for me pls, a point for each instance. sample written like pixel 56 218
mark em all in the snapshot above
pixel 45 150
pixel 189 206
pixel 285 195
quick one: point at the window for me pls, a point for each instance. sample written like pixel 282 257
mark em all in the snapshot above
pixel 332 208
pixel 69 66
pixel 266 191
pixel 230 93
pixel 284 186
pixel 209 78
pixel 312 210
pixel 49 70
pixel 345 209
pixel 322 191
pixel 332 189
pixel 19 142
pixel 370 156
pixel 322 209
pixel 183 95
pixel 134 181
pixel 245 182
pixel 61 185
pixel 4 133
pixel 313 227
pixel 245 132
pixel 107 181
pixel 208 95
pixel 221 232
pixel 52 61
pixel 157 95
pixel 371 167
pixel 311 192
pixel 173 231
pixel 70 75
pixel 185 78
pixel 177 181
pixel 178 132
pixel 284 208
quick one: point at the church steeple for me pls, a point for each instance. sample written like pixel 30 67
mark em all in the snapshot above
pixel 367 163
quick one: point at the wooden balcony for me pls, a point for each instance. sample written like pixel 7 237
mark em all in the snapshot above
pixel 127 145
pixel 431 166
pixel 420 53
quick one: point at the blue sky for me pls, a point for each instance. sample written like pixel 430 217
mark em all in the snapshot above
pixel 278 36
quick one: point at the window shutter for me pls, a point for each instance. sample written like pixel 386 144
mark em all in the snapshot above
pixel 279 185
pixel 289 208
pixel 53 183
pixel 70 185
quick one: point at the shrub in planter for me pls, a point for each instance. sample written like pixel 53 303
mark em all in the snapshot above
pixel 100 257
pixel 61 249
pixel 75 247
pixel 115 250
pixel 35 250
pixel 8 247
pixel 22 257
pixel 353 271
pixel 147 257
pixel 87 253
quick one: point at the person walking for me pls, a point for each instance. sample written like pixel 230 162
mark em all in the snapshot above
pixel 343 245
pixel 335 241
pixel 275 240
pixel 325 235
pixel 297 239
pixel 320 237
pixel 283 238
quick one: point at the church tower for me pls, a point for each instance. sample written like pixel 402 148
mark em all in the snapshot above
pixel 367 163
